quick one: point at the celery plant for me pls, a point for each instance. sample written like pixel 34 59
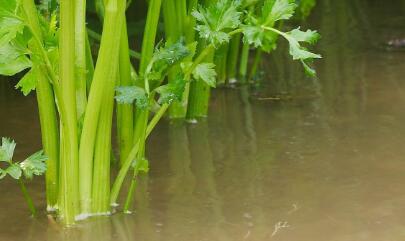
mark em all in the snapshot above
pixel 33 165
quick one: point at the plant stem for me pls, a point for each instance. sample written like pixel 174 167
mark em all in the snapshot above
pixel 132 155
pixel 69 160
pixel 27 197
pixel 233 56
pixel 220 61
pixel 80 57
pixel 96 36
pixel 199 90
pixel 131 192
pixel 89 64
pixel 47 111
pixel 103 82
pixel 175 16
pixel 255 66
pixel 125 111
pixel 148 43
pixel 244 60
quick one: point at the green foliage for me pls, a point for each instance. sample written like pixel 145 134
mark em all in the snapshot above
pixel 172 91
pixel 34 165
pixel 129 94
pixel 274 11
pixel 206 72
pixel 300 53
pixel 260 32
pixel 217 20
pixel 7 149
pixel 14 171
pixel 166 57
pixel 28 82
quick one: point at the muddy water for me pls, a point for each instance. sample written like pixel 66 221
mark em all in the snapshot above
pixel 326 163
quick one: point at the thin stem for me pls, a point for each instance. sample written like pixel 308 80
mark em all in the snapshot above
pixel 132 155
pixel 131 193
pixel 27 197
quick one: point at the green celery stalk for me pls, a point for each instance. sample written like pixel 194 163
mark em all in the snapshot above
pixel 47 111
pixel 80 57
pixel 125 111
pixel 199 91
pixel 233 57
pixel 69 157
pixel 103 81
pixel 244 61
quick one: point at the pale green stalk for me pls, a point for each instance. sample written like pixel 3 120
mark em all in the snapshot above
pixel 80 57
pixel 125 111
pixel 103 75
pixel 69 160
pixel 47 111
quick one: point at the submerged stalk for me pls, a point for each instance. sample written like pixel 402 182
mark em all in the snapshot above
pixel 27 197
pixel 69 158
pixel 47 112
pixel 104 75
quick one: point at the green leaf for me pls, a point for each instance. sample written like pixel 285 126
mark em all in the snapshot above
pixel 309 36
pixel 9 28
pixel 15 66
pixel 173 91
pixel 280 10
pixel 299 52
pixel 166 57
pixel 7 149
pixel 215 21
pixel 27 83
pixel 308 70
pixel 34 165
pixel 258 37
pixel 14 171
pixel 206 72
pixel 8 7
pixel 129 94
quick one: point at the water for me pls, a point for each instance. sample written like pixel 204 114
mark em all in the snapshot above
pixel 325 163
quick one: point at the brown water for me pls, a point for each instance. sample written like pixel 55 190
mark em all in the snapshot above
pixel 326 164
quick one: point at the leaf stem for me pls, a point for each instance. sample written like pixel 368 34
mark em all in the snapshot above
pixel 27 197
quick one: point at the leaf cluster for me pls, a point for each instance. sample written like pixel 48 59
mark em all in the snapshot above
pixel 217 20
pixel 33 165
pixel 259 31
pixel 16 42
pixel 164 58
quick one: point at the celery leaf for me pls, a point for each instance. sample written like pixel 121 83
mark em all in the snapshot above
pixel 34 165
pixel 206 72
pixel 14 171
pixel 7 149
pixel 172 91
pixel 215 21
pixel 27 83
pixel 129 94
